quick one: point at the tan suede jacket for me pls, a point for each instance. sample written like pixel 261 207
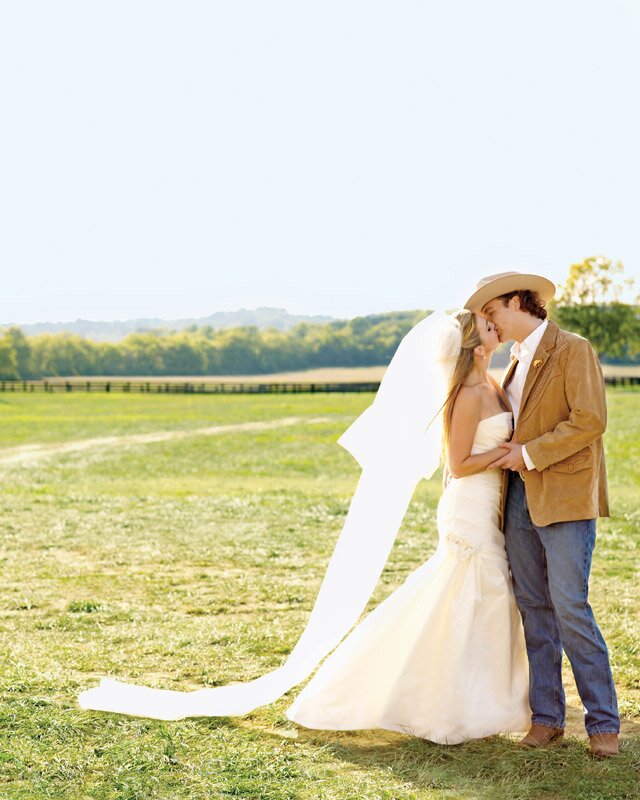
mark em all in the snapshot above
pixel 563 415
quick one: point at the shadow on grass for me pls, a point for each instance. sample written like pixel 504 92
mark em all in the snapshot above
pixel 493 768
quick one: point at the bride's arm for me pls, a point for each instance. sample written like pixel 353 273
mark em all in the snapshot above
pixel 464 423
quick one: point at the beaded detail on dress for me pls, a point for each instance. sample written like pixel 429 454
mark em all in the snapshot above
pixel 464 548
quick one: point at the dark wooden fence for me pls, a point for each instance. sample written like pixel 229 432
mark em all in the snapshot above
pixel 185 387
pixel 627 380
pixel 227 387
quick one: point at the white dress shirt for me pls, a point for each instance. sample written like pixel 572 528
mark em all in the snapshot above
pixel 523 352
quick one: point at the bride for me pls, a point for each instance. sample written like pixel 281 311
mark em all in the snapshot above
pixel 443 657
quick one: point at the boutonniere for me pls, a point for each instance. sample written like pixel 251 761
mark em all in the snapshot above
pixel 537 363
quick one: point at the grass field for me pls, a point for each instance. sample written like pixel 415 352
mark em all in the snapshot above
pixel 195 561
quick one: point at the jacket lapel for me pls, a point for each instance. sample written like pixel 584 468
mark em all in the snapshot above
pixel 508 373
pixel 543 351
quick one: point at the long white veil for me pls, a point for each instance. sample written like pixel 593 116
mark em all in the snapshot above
pixel 396 441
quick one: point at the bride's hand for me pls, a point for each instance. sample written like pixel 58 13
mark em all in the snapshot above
pixel 498 451
pixel 512 459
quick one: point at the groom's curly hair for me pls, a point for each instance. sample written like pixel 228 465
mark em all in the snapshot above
pixel 529 301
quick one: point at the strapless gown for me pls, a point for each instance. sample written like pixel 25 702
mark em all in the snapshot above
pixel 443 657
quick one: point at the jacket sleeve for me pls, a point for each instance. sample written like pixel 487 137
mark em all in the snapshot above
pixel 584 391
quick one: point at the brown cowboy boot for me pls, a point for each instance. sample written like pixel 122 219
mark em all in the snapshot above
pixel 604 745
pixel 540 735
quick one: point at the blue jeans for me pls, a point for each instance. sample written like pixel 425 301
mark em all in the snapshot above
pixel 550 568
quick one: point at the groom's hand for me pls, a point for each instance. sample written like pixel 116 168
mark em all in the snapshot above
pixel 512 459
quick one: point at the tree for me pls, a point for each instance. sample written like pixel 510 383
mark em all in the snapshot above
pixel 591 303
pixel 8 361
pixel 183 355
pixel 238 351
pixel 22 350
pixel 142 354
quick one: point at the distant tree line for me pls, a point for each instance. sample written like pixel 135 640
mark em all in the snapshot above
pixel 590 303
pixel 362 341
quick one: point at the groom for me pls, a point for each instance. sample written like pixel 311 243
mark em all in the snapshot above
pixel 556 490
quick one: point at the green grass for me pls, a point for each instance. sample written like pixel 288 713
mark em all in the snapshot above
pixel 196 562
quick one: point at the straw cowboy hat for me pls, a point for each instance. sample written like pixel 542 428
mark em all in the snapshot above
pixel 506 282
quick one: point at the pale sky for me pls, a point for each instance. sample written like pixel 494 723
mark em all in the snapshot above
pixel 173 159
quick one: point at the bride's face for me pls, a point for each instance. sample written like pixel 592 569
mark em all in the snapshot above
pixel 488 333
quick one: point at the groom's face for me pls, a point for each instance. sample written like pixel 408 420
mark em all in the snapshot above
pixel 503 315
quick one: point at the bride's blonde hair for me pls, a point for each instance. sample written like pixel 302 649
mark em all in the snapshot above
pixel 464 365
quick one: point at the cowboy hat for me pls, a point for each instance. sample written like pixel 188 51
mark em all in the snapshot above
pixel 505 282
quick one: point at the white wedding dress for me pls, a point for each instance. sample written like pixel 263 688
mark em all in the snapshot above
pixel 443 657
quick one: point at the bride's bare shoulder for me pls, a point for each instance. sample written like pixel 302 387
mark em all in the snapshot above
pixel 466 403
